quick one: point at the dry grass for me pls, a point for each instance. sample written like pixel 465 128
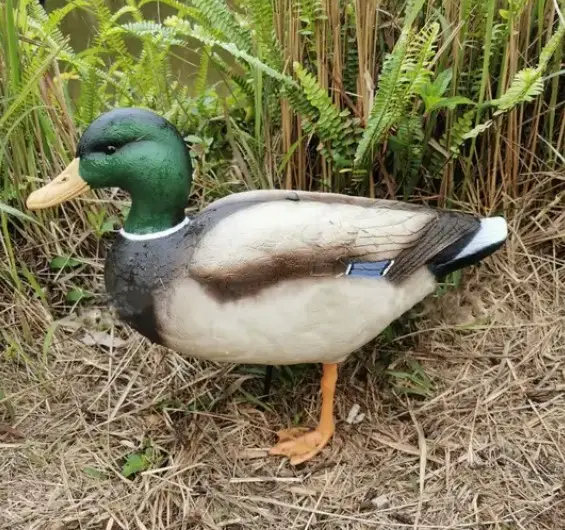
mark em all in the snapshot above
pixel 486 451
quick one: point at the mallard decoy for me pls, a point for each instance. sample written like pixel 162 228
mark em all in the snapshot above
pixel 268 277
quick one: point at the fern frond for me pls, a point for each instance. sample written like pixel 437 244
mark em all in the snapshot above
pixel 408 149
pixel 202 75
pixel 309 12
pixel 147 28
pixel 418 58
pixel 128 9
pixel 108 36
pixel 528 83
pixel 351 54
pixel 472 79
pixel 453 139
pixel 221 22
pixel 178 5
pixel 242 82
pixel 526 86
pixel 48 25
pixel 550 48
pixel 199 33
pixel 262 20
pixel 405 72
pixel 89 104
pixel 335 129
pixel 384 109
pixel 41 31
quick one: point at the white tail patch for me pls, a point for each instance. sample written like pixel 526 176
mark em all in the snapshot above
pixel 493 231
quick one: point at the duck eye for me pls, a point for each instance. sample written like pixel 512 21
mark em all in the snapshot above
pixel 110 149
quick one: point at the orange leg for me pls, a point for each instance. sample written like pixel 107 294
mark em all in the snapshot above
pixel 299 445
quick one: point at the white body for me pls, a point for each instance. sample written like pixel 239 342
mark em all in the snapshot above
pixel 297 321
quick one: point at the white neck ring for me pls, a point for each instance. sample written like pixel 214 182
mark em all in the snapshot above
pixel 155 235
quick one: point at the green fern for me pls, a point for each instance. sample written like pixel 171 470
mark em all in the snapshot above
pixel 183 27
pixel 242 82
pixel 551 47
pixel 351 59
pixel 405 73
pixel 471 80
pixel 147 28
pixel 262 20
pixel 221 22
pixel 528 83
pixel 454 138
pixel 47 26
pixel 89 103
pixel 335 128
pixel 309 12
pixel 526 86
pixel 129 9
pixel 418 59
pixel 201 77
pixel 180 6
pixel 384 110
pixel 408 149
pixel 108 36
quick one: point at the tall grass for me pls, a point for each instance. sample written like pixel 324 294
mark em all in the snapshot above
pixel 449 101
pixel 380 100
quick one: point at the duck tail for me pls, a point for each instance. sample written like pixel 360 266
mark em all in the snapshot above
pixel 490 235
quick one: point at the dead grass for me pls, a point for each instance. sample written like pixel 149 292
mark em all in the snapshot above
pixel 486 451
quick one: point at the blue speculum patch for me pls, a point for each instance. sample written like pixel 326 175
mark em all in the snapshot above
pixel 369 269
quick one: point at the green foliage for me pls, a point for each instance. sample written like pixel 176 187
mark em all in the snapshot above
pixel 245 44
pixel 299 93
pixel 261 20
pixel 63 262
pixel 77 294
pixel 432 94
pixel 408 149
pixel 309 12
pixel 336 129
pixel 405 73
pixel 351 54
pixel 526 85
pixel 139 461
pixel 222 23
pixel 412 381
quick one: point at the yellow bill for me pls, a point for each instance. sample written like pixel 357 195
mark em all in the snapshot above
pixel 67 185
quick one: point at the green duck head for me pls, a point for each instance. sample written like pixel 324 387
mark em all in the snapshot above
pixel 135 150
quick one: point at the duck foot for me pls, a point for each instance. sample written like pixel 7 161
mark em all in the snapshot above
pixel 301 445
pixel 298 443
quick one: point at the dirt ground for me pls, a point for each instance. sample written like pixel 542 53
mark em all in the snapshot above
pixel 483 448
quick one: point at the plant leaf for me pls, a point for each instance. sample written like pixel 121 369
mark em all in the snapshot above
pixel 75 295
pixel 442 81
pixel 135 463
pixel 451 102
pixel 475 131
pixel 63 262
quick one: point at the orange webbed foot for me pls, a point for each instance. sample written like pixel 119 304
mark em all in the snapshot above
pixel 298 443
pixel 301 446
